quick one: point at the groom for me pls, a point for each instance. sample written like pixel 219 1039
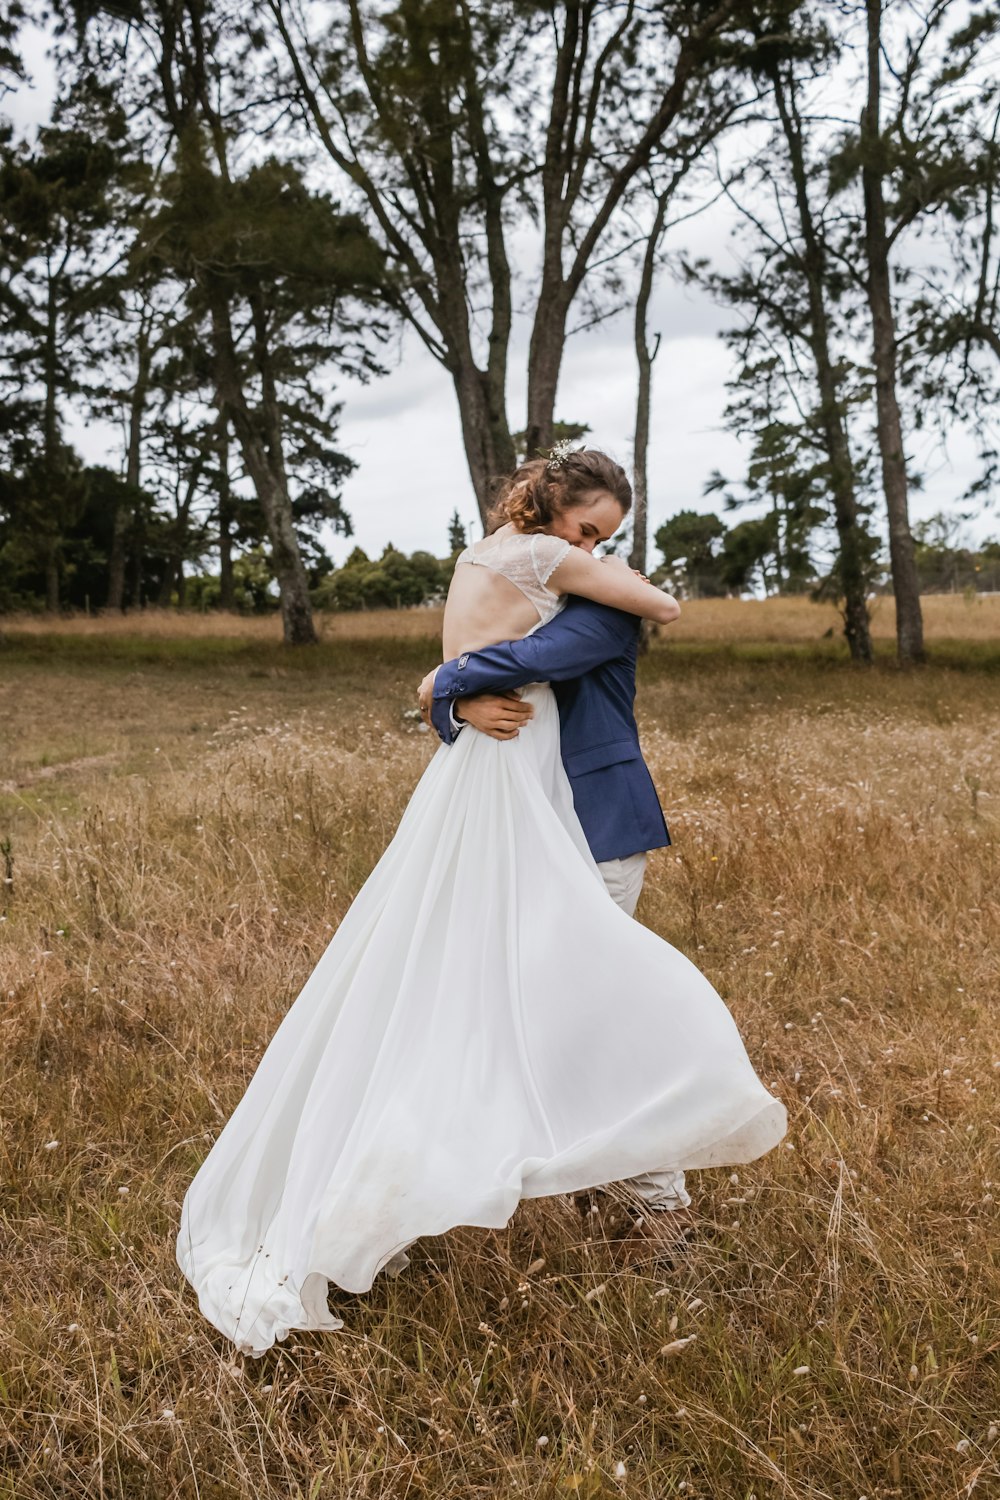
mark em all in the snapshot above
pixel 588 653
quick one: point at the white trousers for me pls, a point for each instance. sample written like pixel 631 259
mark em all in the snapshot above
pixel 624 878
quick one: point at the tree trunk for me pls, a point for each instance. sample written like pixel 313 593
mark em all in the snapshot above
pixel 167 585
pixel 644 358
pixel 831 412
pixel 227 582
pixel 902 557
pixel 133 472
pixel 857 623
pixel 117 558
pixel 52 578
pixel 138 600
pixel 489 448
pixel 266 470
pixel 50 440
pixel 545 353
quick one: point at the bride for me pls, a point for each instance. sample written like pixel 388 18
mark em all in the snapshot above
pixel 486 1025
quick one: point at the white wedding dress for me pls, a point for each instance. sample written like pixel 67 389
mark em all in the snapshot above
pixel 486 1025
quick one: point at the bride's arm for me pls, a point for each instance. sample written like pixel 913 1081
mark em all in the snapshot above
pixel 610 580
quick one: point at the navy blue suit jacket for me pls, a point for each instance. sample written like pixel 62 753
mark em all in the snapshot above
pixel 588 654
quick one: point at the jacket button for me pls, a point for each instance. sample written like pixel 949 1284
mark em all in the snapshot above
pixel 463 661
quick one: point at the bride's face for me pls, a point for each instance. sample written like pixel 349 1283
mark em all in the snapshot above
pixel 593 520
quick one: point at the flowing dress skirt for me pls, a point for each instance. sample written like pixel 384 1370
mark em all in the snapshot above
pixel 486 1025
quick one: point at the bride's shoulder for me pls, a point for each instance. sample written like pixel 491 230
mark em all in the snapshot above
pixel 534 550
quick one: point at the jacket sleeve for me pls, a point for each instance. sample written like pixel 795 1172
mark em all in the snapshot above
pixel 441 715
pixel 575 642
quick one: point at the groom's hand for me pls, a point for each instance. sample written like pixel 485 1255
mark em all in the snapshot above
pixel 425 697
pixel 500 715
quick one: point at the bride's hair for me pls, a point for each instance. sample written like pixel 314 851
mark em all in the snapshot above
pixel 535 493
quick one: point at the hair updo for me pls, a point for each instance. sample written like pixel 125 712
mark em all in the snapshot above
pixel 535 493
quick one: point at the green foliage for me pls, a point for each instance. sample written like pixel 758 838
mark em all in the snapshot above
pixel 85 501
pixel 947 564
pixel 692 554
pixel 301 274
pixel 394 582
pixel 253 585
pixel 456 533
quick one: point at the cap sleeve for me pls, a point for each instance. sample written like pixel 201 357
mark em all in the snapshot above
pixel 547 552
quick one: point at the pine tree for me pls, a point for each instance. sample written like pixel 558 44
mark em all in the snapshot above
pixel 456 533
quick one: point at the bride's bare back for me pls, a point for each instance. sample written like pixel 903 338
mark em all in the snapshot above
pixel 512 581
pixel 500 590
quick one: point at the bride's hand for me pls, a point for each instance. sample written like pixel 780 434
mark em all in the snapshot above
pixel 425 696
pixel 613 557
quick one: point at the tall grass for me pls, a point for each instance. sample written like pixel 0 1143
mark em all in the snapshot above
pixel 184 833
pixel 793 618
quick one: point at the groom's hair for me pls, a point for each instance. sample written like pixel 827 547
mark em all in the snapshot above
pixel 535 493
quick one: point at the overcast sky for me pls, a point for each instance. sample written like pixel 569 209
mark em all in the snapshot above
pixel 403 430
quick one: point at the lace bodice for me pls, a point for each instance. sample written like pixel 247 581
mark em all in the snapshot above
pixel 527 560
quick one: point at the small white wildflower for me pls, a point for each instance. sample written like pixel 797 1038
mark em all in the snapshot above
pixel 542 1442
pixel 801 1370
pixel 51 1145
pixel 643 1400
pixel 73 1328
pixel 620 1470
pixel 962 1446
pixel 166 1415
pixel 123 1192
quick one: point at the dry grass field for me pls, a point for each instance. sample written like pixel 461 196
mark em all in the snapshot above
pixel 185 815
pixel 947 617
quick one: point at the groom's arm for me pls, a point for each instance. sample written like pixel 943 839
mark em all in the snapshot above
pixel 575 642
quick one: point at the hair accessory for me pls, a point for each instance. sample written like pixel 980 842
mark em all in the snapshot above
pixel 559 453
